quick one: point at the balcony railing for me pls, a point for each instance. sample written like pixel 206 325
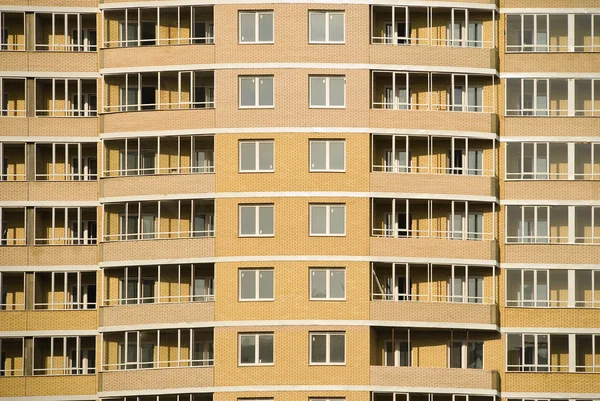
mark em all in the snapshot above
pixel 194 218
pixel 452 220
pixel 556 288
pixel 552 224
pixel 132 27
pixel 146 284
pixel 404 90
pixel 12 26
pixel 146 91
pixel 142 156
pixel 142 349
pixel 433 26
pixel 406 154
pixel 414 282
pixel 551 33
pixel 66 32
pixel 13 99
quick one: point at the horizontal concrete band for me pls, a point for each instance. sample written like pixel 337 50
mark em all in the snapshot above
pixel 296 130
pixel 329 66
pixel 429 3
pixel 305 323
pixel 299 194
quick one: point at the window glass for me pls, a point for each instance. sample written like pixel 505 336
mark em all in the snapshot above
pixel 318 155
pixel 248 155
pixel 248 284
pixel 318 283
pixel 317 27
pixel 336 91
pixel 336 27
pixel 266 220
pixel 338 284
pixel 318 217
pixel 338 220
pixel 247 27
pixel 337 348
pixel 265 284
pixel 337 155
pixel 318 348
pixel 265 91
pixel 248 220
pixel 265 349
pixel 265 27
pixel 247 92
pixel 317 91
pixel 265 154
pixel 248 349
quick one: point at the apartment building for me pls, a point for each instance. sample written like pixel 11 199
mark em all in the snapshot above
pixel 273 201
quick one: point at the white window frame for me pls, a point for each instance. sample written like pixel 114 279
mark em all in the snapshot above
pixel 256 348
pixel 257 156
pixel 257 79
pixel 327 19
pixel 397 352
pixel 257 219
pixel 256 284
pixel 536 366
pixel 327 91
pixel 257 15
pixel 327 155
pixel 328 271
pixel 327 220
pixel 536 301
pixel 328 335
pixel 464 354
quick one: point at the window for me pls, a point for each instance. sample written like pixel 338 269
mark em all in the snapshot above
pixel 542 288
pixel 256 285
pixel 399 355
pixel 528 352
pixel 327 155
pixel 256 156
pixel 328 348
pixel 327 284
pixel 256 349
pixel 328 220
pixel 256 92
pixel 461 290
pixel 203 353
pixel 130 230
pixel 471 37
pixel 128 356
pixel 465 355
pixel 256 27
pixel 256 220
pixel 128 290
pixel 328 92
pixel 326 26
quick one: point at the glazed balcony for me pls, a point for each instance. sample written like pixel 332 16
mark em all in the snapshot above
pixel 138 360
pixel 187 95
pixel 173 164
pixel 434 101
pixel 424 36
pixel 428 164
pixel 413 227
pixel 431 358
pixel 12 162
pixel 158 36
pixel 484 396
pixel 132 229
pixel 157 294
pixel 434 293
pixel 13 100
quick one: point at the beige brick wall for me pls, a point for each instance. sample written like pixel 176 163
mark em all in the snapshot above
pixel 291 164
pixel 292 297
